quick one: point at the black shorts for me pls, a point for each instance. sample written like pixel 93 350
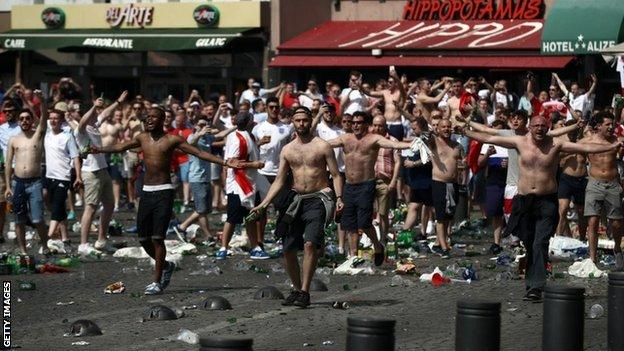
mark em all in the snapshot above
pixel 308 225
pixel 572 188
pixel 358 202
pixel 421 196
pixel 57 194
pixel 236 212
pixel 396 130
pixel 438 192
pixel 155 209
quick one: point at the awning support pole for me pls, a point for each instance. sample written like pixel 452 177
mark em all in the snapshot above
pixel 18 67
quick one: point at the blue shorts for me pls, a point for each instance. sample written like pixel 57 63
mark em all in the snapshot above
pixel 202 195
pixel 183 173
pixel 494 200
pixel 27 200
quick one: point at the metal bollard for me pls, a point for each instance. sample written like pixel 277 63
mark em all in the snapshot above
pixel 213 343
pixel 370 334
pixel 477 326
pixel 564 319
pixel 615 317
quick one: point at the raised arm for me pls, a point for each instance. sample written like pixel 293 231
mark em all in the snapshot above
pixel 206 156
pixel 510 142
pixel 477 126
pixel 336 142
pixel 117 147
pixel 317 119
pixel 108 110
pixel 434 100
pixel 274 89
pixel 588 148
pixel 87 118
pixel 567 129
pixel 592 88
pixel 562 86
pixel 43 120
pixel 392 144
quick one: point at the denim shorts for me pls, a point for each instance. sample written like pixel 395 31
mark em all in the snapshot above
pixel 27 200
pixel 202 196
pixel 183 173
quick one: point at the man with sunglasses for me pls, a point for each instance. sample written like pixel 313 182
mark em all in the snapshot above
pixel 535 208
pixel 308 158
pixel 307 98
pixel 26 188
pixel 361 149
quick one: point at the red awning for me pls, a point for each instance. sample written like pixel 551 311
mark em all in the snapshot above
pixel 513 62
pixel 424 35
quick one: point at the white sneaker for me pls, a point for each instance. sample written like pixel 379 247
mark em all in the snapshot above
pixel 78 202
pixel 153 289
pixel 87 249
pixel 104 246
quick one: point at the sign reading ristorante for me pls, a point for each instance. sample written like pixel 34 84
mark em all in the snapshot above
pixel 446 10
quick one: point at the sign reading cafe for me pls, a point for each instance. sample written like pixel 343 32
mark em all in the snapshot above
pixel 130 15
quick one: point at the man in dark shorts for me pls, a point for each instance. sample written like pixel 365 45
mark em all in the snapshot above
pixel 534 213
pixel 361 149
pixel 308 158
pixel 156 203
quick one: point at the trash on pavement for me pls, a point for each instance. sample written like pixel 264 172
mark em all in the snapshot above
pixel 60 303
pixel 596 311
pixel 84 327
pixel 427 277
pixel 25 286
pixel 115 288
pixel 563 247
pixel 328 342
pixel 188 337
pixel 585 269
pixel 239 241
pixel 340 305
pixel 51 268
pixel 405 267
pixel 81 343
pixel 346 268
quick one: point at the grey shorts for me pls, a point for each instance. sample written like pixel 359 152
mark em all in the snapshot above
pixel 603 197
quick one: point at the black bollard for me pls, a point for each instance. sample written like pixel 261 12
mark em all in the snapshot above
pixel 477 326
pixel 564 319
pixel 215 343
pixel 615 314
pixel 370 334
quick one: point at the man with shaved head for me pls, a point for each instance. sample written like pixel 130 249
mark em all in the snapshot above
pixel 535 208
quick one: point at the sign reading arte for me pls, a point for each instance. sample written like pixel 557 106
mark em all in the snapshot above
pixel 130 15
pixel 446 10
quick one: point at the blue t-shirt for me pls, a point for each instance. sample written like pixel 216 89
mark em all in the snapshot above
pixel 199 171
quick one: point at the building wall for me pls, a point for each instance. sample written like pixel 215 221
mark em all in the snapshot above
pixel 290 18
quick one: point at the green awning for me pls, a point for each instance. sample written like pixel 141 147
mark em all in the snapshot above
pixel 121 40
pixel 577 27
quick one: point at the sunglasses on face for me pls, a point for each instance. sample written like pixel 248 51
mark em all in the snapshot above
pixel 357 122
pixel 311 84
pixel 347 121
pixel 272 106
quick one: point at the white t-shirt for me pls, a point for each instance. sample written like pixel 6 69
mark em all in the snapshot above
pixel 281 134
pixel 356 100
pixel 232 150
pixel 580 102
pixel 504 99
pixel 60 149
pixel 326 132
pixel 304 100
pixel 249 96
pixel 92 136
pixel 260 117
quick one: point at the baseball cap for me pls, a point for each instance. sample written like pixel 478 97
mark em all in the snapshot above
pixel 255 85
pixel 195 103
pixel 61 106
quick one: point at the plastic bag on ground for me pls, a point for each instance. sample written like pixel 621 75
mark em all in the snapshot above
pixel 188 337
pixel 585 269
pixel 345 268
pixel 131 252
pixel 565 247
pixel 179 247
pixel 239 241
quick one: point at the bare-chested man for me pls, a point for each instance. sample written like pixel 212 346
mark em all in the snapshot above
pixel 534 213
pixel 444 189
pixel 308 158
pixel 111 129
pixel 453 102
pixel 572 184
pixel 427 104
pixel 156 203
pixel 394 94
pixel 26 190
pixel 361 149
pixel 603 195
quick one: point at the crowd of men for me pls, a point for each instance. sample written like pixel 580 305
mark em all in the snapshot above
pixel 530 160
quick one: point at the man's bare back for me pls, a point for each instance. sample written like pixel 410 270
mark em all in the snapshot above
pixel 308 164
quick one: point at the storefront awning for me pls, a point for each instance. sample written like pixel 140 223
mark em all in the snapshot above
pixel 576 27
pixel 493 62
pixel 420 35
pixel 120 40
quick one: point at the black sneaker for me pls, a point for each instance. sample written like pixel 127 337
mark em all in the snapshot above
pixel 533 295
pixel 437 249
pixel 446 254
pixel 495 249
pixel 289 301
pixel 302 300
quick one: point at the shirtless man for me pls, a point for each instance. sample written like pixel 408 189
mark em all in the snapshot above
pixel 110 129
pixel 534 213
pixel 426 103
pixel 444 189
pixel 156 203
pixel 453 102
pixel 393 94
pixel 572 184
pixel 26 189
pixel 308 158
pixel 361 149
pixel 604 191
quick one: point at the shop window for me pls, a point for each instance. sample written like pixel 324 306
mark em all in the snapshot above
pixel 170 59
pixel 117 59
pixel 65 58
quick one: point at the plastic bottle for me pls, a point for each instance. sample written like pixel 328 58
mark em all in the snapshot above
pixel 596 311
pixel 391 252
pixel 404 239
